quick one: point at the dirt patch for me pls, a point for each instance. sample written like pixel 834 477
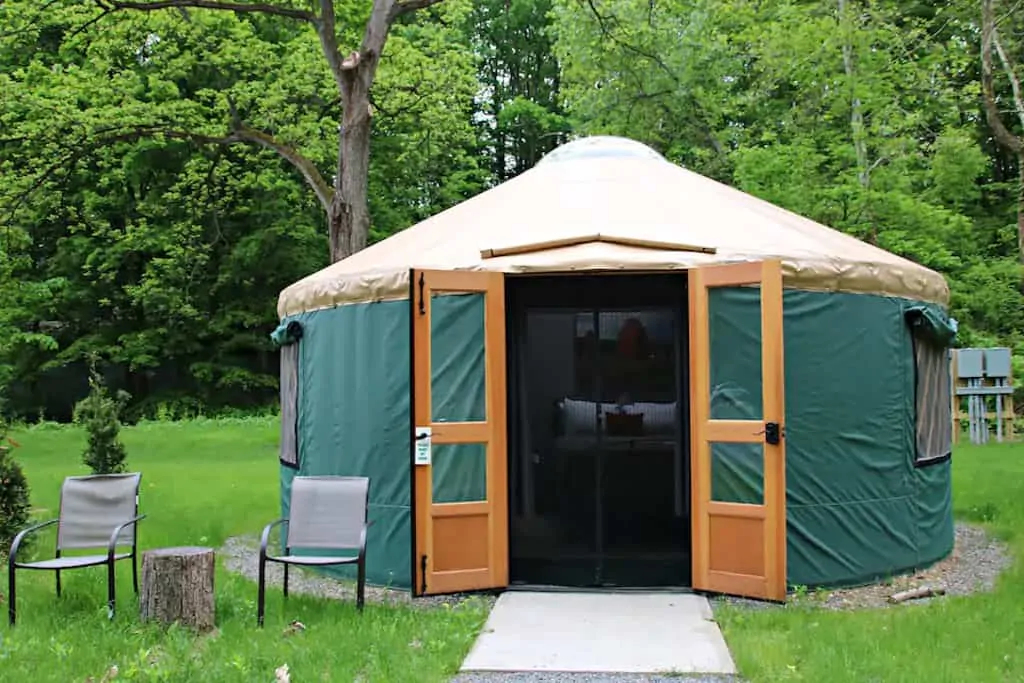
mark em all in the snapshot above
pixel 974 565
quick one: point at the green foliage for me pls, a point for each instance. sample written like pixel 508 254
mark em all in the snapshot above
pixel 99 413
pixel 166 256
pixel 14 492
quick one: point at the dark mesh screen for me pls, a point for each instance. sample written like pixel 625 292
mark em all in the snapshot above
pixel 599 474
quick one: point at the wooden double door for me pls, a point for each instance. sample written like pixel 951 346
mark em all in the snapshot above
pixel 461 537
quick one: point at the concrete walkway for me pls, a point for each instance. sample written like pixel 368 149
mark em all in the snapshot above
pixel 634 633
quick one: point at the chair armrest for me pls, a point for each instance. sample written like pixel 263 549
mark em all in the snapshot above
pixel 117 532
pixel 16 545
pixel 362 540
pixel 265 536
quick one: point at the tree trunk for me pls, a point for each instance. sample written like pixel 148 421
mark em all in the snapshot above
pixel 1020 206
pixel 177 586
pixel 349 216
pixel 989 44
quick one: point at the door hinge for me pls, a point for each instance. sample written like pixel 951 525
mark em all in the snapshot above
pixel 423 574
pixel 423 304
pixel 773 433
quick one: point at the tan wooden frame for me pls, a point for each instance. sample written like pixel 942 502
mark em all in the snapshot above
pixel 546 245
pixel 470 538
pixel 738 548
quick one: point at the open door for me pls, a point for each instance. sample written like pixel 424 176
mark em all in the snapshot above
pixel 738 449
pixel 460 438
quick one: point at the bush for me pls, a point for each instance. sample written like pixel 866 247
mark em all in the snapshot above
pixel 14 493
pixel 100 414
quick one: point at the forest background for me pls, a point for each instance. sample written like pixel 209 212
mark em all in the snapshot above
pixel 159 169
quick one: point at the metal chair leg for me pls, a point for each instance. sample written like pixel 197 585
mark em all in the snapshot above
pixel 111 596
pixel 261 591
pixel 361 585
pixel 57 575
pixel 286 580
pixel 135 571
pixel 11 593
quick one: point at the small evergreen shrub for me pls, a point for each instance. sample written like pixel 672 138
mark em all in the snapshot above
pixel 100 414
pixel 14 493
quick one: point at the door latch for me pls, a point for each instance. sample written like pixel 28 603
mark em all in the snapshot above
pixel 773 433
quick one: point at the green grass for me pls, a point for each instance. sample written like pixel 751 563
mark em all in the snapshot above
pixel 202 482
pixel 977 638
pixel 206 480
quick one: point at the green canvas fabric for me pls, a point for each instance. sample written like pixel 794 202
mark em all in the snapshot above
pixel 933 322
pixel 353 420
pixel 857 508
pixel 288 332
pixel 354 414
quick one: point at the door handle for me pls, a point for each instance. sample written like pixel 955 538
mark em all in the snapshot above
pixel 773 433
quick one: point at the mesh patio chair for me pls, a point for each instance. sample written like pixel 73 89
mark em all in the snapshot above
pixel 97 512
pixel 326 513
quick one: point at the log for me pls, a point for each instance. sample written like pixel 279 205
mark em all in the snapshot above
pixel 177 586
pixel 915 593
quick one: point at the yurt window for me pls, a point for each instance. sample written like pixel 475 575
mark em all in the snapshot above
pixel 934 421
pixel 287 336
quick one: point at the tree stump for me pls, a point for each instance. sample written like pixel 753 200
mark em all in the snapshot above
pixel 177 586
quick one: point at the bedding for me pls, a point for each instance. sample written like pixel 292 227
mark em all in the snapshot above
pixel 582 417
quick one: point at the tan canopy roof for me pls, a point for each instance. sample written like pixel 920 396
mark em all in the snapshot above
pixel 605 203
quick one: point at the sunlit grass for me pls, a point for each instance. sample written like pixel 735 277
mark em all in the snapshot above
pixel 976 638
pixel 203 481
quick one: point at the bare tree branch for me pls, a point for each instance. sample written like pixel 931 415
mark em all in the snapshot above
pixel 1014 143
pixel 995 121
pixel 257 7
pixel 309 171
pixel 326 30
pixel 376 33
pixel 606 31
pixel 1008 67
pixel 241 134
pixel 406 6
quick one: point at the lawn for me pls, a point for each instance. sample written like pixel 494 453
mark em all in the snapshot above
pixel 978 638
pixel 204 481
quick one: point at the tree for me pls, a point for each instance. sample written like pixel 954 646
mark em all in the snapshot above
pixel 520 118
pixel 99 413
pixel 14 491
pixel 1014 143
pixel 344 199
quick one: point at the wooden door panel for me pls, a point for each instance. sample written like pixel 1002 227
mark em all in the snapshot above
pixel 739 546
pixel 460 545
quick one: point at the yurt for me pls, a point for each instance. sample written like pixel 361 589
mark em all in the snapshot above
pixel 611 371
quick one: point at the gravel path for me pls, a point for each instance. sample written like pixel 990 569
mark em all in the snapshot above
pixel 974 565
pixel 241 556
pixel 547 677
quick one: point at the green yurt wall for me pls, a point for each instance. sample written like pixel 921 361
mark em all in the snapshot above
pixel 857 506
pixel 353 413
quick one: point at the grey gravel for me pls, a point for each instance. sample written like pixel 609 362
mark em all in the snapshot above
pixel 560 677
pixel 241 556
pixel 973 567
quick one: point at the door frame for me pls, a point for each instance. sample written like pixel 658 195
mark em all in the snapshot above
pixel 767 520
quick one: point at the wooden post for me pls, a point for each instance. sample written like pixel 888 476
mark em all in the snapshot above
pixel 177 586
